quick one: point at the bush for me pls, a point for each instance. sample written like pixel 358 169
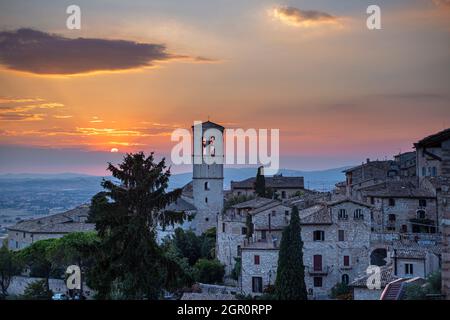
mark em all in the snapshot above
pixel 341 291
pixel 37 290
pixel 209 271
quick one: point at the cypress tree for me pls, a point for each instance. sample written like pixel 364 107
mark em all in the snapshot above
pixel 290 281
pixel 260 183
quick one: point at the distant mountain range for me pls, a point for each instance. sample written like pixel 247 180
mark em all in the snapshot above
pixel 322 180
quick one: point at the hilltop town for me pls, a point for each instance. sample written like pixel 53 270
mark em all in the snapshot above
pixel 393 214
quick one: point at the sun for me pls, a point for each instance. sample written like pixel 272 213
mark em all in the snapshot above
pixel 114 150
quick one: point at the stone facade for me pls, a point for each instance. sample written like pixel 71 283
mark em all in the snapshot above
pixel 207 179
pixel 336 246
pixel 58 225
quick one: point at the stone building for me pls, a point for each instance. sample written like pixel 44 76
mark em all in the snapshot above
pixel 232 227
pixel 400 206
pixel 368 174
pixel 58 225
pixel 430 153
pixel 286 187
pixel 433 170
pixel 406 164
pixel 361 291
pixel 336 237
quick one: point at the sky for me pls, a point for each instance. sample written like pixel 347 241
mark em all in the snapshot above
pixel 137 70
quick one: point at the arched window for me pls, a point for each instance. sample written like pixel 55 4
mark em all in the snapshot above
pixel 206 200
pixel 345 279
pixel 206 185
pixel 358 215
pixel 342 214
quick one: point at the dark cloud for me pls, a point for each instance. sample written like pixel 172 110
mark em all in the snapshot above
pixel 43 53
pixel 301 17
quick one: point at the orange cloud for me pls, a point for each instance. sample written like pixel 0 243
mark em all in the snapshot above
pixel 303 18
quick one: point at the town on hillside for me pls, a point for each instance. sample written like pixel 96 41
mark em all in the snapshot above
pixel 379 233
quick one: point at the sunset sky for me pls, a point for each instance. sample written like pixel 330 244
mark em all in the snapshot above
pixel 137 70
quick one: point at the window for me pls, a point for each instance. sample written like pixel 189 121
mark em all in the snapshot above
pixel 422 203
pixel 372 200
pixel 391 202
pixel 286 212
pixel 346 261
pixel 283 194
pixel 317 282
pixel 257 284
pixel 371 216
pixel 433 172
pixel 424 172
pixel 404 228
pixel 317 262
pixel 223 227
pixel 341 235
pixel 274 213
pixel 391 217
pixel 345 279
pixel 319 235
pixel 310 291
pixel 358 215
pixel 206 219
pixel 342 214
pixel 239 251
pixel 206 185
pixel 409 268
pixel 263 234
pixel 256 259
pixel 421 214
pixel 244 230
pixel 24 235
pixel 206 200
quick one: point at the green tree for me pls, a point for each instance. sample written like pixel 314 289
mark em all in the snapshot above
pixel 249 225
pixel 188 245
pixel 290 281
pixel 129 263
pixel 209 271
pixel 38 258
pixel 236 272
pixel 37 290
pixel 208 244
pixel 260 183
pixel 9 267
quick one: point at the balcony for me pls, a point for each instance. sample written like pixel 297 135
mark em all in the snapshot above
pixel 346 267
pixel 316 272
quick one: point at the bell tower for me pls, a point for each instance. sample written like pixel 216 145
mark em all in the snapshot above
pixel 207 179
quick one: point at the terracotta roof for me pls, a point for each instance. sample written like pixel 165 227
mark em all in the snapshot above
pixel 254 203
pixel 318 214
pixel 181 205
pixel 396 189
pixel 209 124
pixel 65 222
pixel 387 276
pixel 271 182
pixel 380 164
pixel 434 140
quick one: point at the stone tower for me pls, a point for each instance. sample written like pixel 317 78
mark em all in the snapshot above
pixel 207 179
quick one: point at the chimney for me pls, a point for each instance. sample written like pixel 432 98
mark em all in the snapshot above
pixel 368 160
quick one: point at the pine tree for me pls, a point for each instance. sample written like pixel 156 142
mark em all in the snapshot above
pixel 290 281
pixel 260 183
pixel 130 264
